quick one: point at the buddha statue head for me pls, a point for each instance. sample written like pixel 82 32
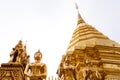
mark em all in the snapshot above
pixel 38 55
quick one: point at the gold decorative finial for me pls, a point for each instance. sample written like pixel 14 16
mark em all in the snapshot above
pixel 39 50
pixel 25 42
pixel 80 20
pixel 76 6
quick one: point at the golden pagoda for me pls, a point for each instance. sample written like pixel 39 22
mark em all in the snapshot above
pixel 90 55
pixel 14 69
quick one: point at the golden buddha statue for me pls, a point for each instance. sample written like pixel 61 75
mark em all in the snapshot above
pixel 36 70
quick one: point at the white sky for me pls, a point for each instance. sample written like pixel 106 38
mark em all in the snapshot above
pixel 48 25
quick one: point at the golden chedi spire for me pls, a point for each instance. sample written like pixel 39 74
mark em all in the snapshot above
pixel 80 19
pixel 85 34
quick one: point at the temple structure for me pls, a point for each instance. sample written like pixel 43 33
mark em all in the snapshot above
pixel 14 69
pixel 93 55
pixel 19 67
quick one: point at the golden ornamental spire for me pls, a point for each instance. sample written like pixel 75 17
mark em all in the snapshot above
pixel 80 20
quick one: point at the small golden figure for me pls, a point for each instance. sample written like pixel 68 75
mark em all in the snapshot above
pixel 68 72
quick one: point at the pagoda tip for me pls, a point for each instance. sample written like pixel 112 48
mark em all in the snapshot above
pixel 76 6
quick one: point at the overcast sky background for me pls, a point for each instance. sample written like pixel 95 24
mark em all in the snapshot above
pixel 48 25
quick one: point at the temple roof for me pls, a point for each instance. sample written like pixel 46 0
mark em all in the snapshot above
pixel 87 35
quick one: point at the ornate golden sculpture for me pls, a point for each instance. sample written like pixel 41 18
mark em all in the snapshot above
pixel 93 72
pixel 38 70
pixel 16 52
pixel 14 69
pixel 66 71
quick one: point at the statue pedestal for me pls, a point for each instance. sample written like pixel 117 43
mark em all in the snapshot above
pixel 11 71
